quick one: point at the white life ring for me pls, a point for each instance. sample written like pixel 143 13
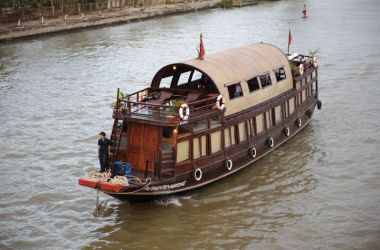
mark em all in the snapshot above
pixel 270 142
pixel 220 102
pixel 287 131
pixel 185 116
pixel 301 69
pixel 315 63
pixel 299 122
pixel 198 174
pixel 229 164
pixel 253 152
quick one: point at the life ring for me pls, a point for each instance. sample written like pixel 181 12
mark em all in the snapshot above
pixel 220 102
pixel 185 116
pixel 319 105
pixel 270 142
pixel 229 164
pixel 301 69
pixel 299 122
pixel 287 131
pixel 315 63
pixel 198 174
pixel 253 152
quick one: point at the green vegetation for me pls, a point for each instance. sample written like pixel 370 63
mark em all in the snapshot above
pixel 226 3
pixel 314 52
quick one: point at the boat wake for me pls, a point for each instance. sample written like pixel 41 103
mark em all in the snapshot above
pixel 171 200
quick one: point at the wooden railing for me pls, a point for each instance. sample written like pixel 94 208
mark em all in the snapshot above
pixel 137 105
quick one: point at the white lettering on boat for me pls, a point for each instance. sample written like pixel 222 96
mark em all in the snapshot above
pixel 166 187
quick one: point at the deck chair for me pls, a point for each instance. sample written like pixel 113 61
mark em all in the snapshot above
pixel 164 95
pixel 192 97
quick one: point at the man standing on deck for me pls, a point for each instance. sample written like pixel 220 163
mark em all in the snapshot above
pixel 104 149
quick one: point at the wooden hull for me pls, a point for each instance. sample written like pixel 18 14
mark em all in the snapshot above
pixel 215 166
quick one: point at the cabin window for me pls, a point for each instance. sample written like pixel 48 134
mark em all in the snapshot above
pixel 314 74
pixel 269 118
pixel 184 78
pixel 196 148
pixel 249 128
pixel 196 76
pixel 229 136
pixel 280 74
pixel 203 145
pixel 265 80
pixel 235 91
pixel 304 95
pixel 183 151
pixel 285 108
pixel 242 132
pixel 291 105
pixel 216 141
pixel 259 123
pixel 253 84
pixel 166 82
pixel 200 125
pixel 278 114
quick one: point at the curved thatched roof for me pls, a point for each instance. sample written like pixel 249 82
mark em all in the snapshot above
pixel 239 65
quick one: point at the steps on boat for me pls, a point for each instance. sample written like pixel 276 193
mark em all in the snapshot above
pixel 167 163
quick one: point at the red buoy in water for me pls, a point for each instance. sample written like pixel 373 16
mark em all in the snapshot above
pixel 201 51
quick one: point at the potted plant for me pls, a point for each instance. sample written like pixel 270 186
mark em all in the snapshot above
pixel 119 106
pixel 171 111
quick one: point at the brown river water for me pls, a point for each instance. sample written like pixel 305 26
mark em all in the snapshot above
pixel 321 190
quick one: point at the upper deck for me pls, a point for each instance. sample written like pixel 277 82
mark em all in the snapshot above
pixel 245 77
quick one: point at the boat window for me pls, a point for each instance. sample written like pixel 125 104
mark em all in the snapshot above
pixel 242 132
pixel 166 82
pixel 253 84
pixel 216 141
pixel 259 123
pixel 265 80
pixel 285 108
pixel 182 151
pixel 184 78
pixel 196 76
pixel 269 118
pixel 235 91
pixel 249 127
pixel 280 74
pixel 278 114
pixel 227 138
pixel 291 105
pixel 196 148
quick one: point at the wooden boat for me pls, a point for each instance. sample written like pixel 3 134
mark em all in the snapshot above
pixel 204 119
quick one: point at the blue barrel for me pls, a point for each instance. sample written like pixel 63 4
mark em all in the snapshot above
pixel 121 168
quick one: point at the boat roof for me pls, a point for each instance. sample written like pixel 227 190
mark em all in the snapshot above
pixel 237 66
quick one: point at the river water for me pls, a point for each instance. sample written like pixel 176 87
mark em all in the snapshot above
pixel 321 190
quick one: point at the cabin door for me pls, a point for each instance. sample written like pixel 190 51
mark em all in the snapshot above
pixel 142 145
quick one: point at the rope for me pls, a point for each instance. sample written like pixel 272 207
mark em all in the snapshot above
pixel 122 180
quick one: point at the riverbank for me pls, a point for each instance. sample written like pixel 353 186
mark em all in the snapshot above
pixel 128 14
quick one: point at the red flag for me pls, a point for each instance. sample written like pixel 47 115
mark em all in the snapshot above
pixel 290 38
pixel 202 51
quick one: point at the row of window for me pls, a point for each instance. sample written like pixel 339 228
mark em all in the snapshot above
pixel 235 90
pixel 212 143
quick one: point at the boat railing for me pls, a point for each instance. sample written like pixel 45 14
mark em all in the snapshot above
pixel 137 106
